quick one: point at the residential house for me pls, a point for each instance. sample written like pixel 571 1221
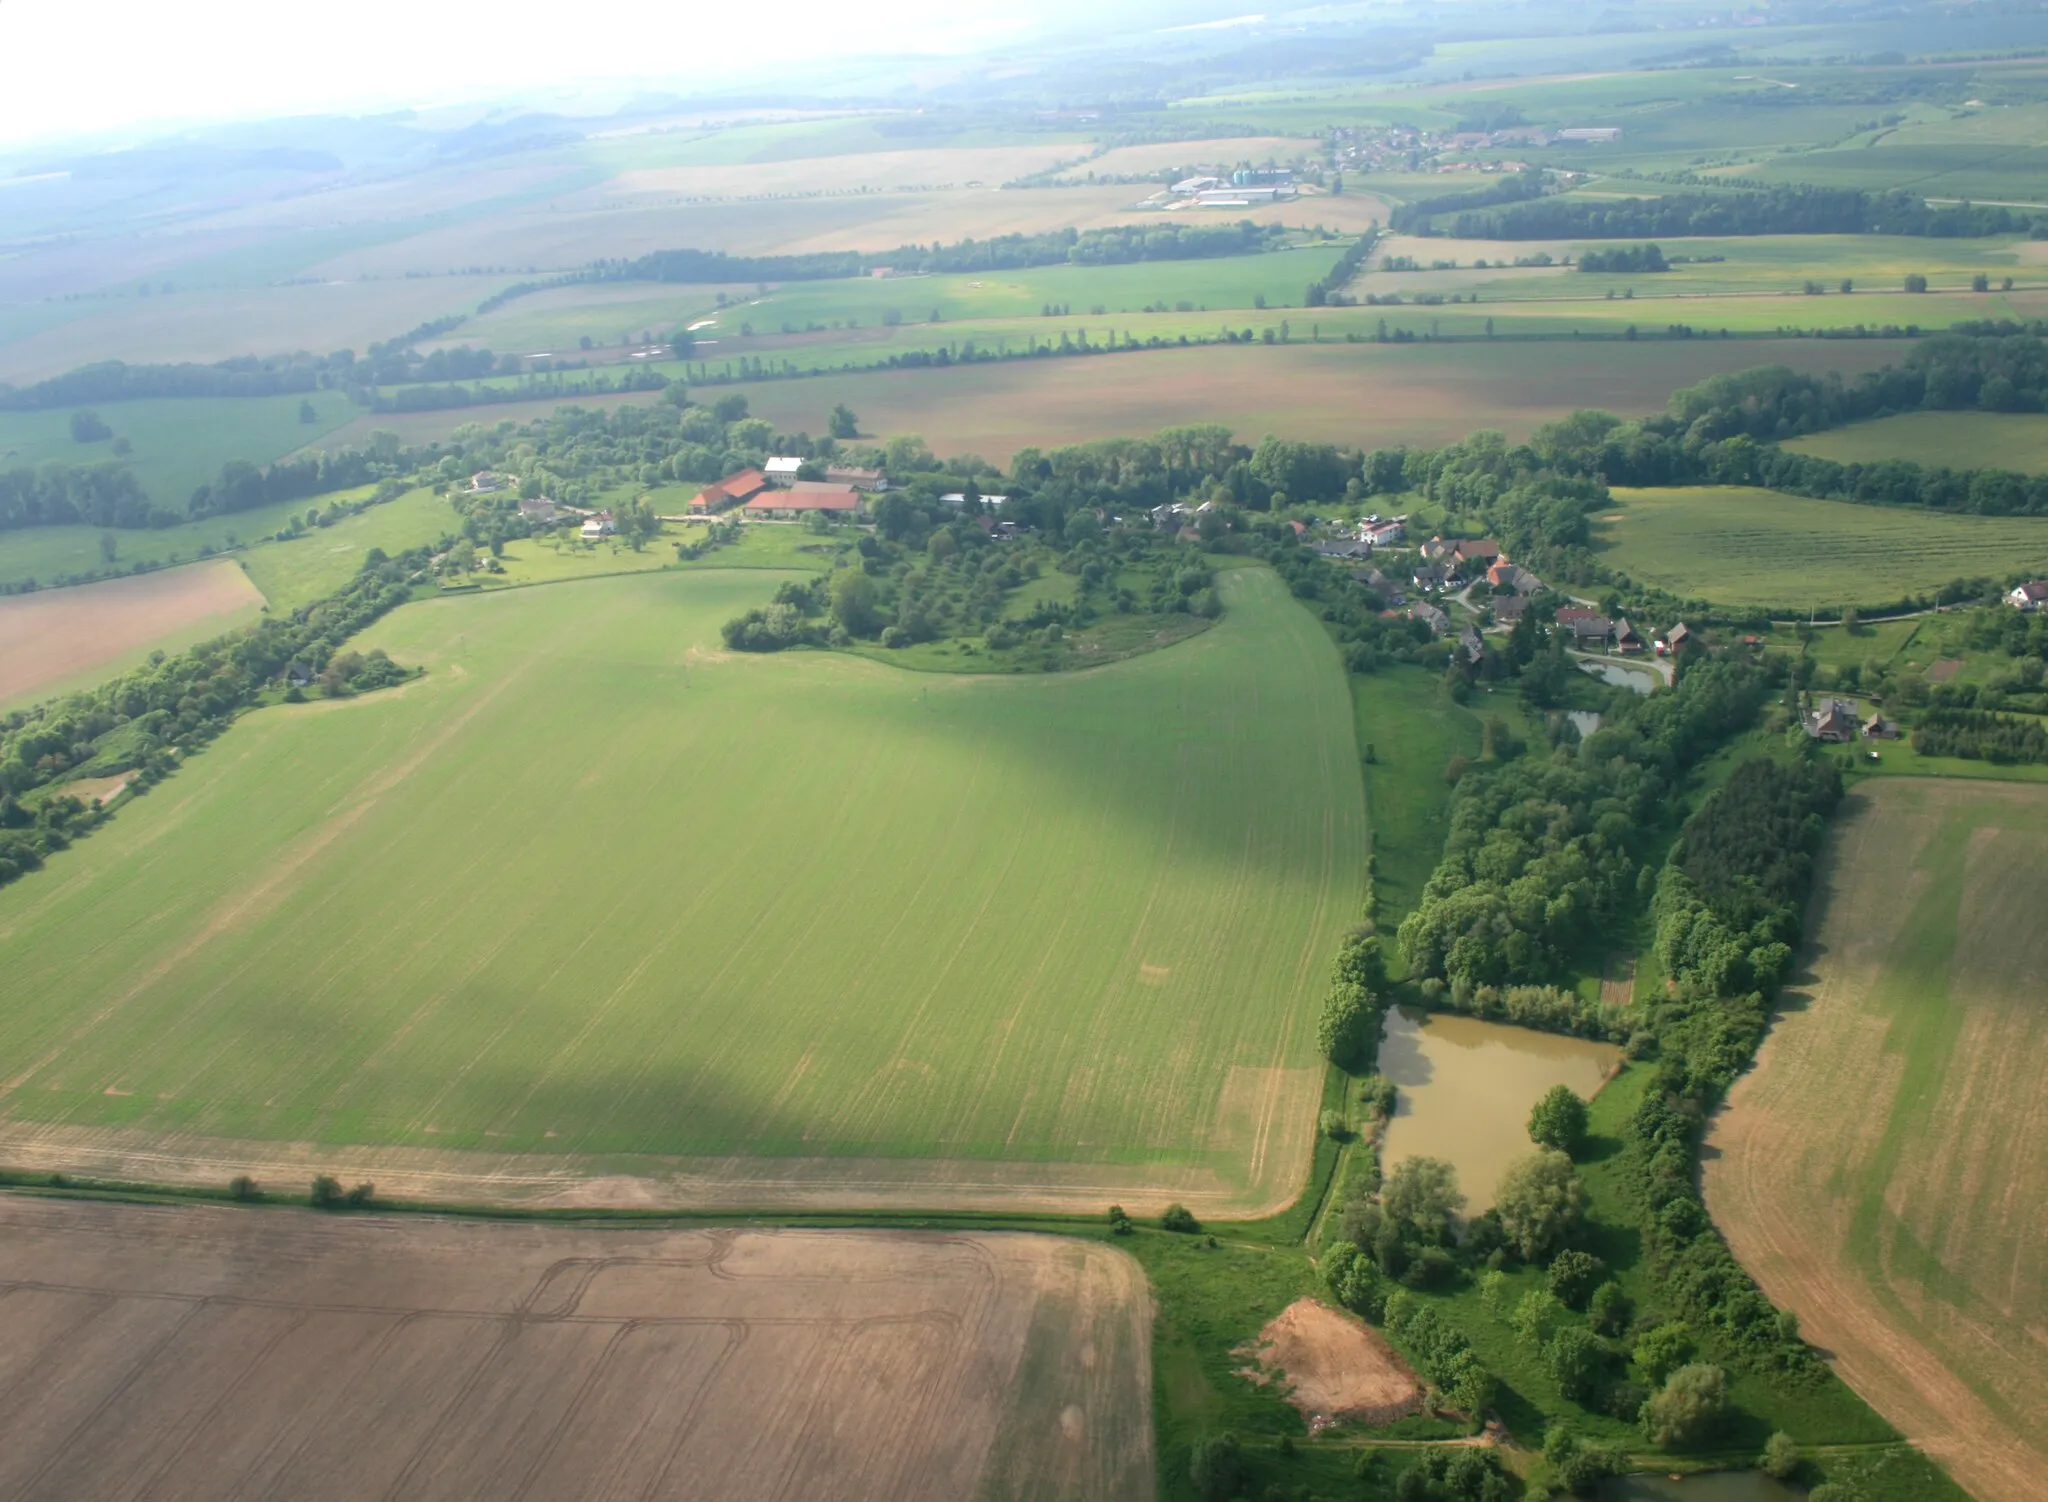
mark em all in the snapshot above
pixel 1513 578
pixel 2029 596
pixel 1833 721
pixel 1430 577
pixel 783 471
pixel 598 524
pixel 859 479
pixel 1476 553
pixel 1431 617
pixel 1170 517
pixel 1383 534
pixel 1343 548
pixel 733 489
pixel 1508 609
pixel 1878 728
pixel 539 510
pixel 484 481
pixel 1678 637
pixel 805 498
pixel 1626 640
pixel 1566 614
pixel 1470 644
pixel 1589 630
pixel 1436 550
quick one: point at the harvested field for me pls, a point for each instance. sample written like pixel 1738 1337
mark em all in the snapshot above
pixel 214 1353
pixel 58 634
pixel 597 914
pixel 1884 1169
pixel 1333 1368
pixel 1939 440
pixel 1363 394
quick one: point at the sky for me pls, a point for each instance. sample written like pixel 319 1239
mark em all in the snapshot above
pixel 84 67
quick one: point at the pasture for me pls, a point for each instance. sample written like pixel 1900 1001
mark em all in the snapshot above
pixel 206 1352
pixel 1368 395
pixel 179 443
pixel 596 913
pixel 1939 440
pixel 57 638
pixel 1881 1169
pixel 1735 545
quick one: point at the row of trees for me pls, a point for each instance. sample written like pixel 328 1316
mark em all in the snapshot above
pixel 131 722
pixel 1786 210
pixel 1980 735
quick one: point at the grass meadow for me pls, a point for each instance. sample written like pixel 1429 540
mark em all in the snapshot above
pixel 1939 440
pixel 595 888
pixel 290 573
pixel 1881 1170
pixel 180 443
pixel 1735 545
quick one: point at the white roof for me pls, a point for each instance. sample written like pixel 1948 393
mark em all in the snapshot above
pixel 784 466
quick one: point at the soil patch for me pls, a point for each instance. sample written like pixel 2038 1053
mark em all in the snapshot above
pixel 55 634
pixel 1618 980
pixel 1944 669
pixel 1335 1369
pixel 214 1352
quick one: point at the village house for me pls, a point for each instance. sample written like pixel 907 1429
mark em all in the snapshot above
pixel 1833 721
pixel 599 524
pixel 1476 553
pixel 540 510
pixel 1626 640
pixel 484 481
pixel 806 498
pixel 1513 578
pixel 1878 728
pixel 1383 533
pixel 859 479
pixel 1343 548
pixel 1436 550
pixel 730 491
pixel 1586 628
pixel 783 471
pixel 1677 638
pixel 1431 577
pixel 1508 609
pixel 2029 596
pixel 1168 518
pixel 957 499
pixel 1431 617
pixel 1470 644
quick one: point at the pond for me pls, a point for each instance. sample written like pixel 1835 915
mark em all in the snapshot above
pixel 1712 1486
pixel 1623 675
pixel 1466 1088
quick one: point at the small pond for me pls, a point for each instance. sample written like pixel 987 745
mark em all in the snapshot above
pixel 1713 1486
pixel 1624 675
pixel 1467 1088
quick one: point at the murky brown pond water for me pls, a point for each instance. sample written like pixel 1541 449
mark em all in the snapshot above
pixel 1467 1088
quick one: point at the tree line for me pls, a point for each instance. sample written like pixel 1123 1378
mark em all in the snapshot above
pixel 132 722
pixel 1980 735
pixel 1783 210
pixel 1096 247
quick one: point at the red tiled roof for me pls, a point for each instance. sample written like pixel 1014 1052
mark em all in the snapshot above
pixel 808 495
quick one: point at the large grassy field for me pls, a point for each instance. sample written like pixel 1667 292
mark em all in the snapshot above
pixel 1882 1170
pixel 179 443
pixel 1740 546
pixel 595 895
pixel 291 572
pixel 1939 440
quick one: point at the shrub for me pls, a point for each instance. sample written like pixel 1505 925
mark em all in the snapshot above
pixel 1574 1276
pixel 242 1187
pixel 1781 1457
pixel 1610 1309
pixel 1690 1409
pixel 360 1196
pixel 1180 1218
pixel 1214 1467
pixel 326 1192
pixel 1575 1359
pixel 1663 1350
pixel 1119 1223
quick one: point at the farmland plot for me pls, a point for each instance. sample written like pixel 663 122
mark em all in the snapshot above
pixel 212 1353
pixel 1881 1171
pixel 595 913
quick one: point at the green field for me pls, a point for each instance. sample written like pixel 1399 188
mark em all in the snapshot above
pixel 289 573
pixel 596 892
pixel 1939 440
pixel 180 442
pixel 1734 545
pixel 1881 1171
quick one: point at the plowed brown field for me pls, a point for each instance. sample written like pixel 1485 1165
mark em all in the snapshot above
pixel 58 634
pixel 1884 1169
pixel 211 1353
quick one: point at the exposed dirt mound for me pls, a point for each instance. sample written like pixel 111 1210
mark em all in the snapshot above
pixel 1334 1368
